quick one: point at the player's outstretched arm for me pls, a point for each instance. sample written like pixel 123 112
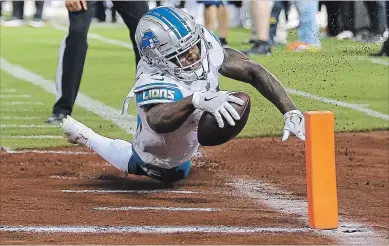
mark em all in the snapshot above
pixel 168 117
pixel 238 66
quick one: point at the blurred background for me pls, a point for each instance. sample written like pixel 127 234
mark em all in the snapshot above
pixel 269 21
pixel 330 55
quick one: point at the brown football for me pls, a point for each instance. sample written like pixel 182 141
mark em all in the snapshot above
pixel 210 134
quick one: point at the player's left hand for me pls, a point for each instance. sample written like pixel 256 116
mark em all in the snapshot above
pixel 294 123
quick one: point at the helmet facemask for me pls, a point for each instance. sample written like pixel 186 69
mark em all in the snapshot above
pixel 192 70
pixel 197 69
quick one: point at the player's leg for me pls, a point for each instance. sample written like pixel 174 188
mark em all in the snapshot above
pixel 120 153
pixel 132 12
pixel 115 151
pixel 71 59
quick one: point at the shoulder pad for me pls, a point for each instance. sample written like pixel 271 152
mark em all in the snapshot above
pixel 216 53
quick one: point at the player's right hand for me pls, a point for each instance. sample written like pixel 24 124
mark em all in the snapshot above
pixel 75 5
pixel 218 104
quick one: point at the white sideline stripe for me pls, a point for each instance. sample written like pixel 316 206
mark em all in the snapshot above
pixel 28 126
pixel 126 122
pixel 132 191
pixel 356 107
pixel 379 61
pixel 33 137
pixel 284 202
pixel 96 37
pixel 47 152
pixel 61 177
pixel 129 208
pixel 15 110
pixel 19 117
pixel 373 60
pixel 15 96
pixel 149 229
pixel 21 103
pixel 8 90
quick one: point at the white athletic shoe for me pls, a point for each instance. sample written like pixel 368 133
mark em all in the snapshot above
pixel 76 132
pixel 13 23
pixel 345 35
pixel 37 23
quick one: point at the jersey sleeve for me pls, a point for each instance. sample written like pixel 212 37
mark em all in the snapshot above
pixel 156 93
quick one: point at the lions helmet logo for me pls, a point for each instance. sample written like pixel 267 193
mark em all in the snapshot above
pixel 149 40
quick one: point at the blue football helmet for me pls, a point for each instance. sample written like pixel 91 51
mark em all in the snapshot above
pixel 164 34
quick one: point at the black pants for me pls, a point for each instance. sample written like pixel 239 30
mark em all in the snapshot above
pixel 341 16
pixel 100 11
pixel 18 9
pixel 73 49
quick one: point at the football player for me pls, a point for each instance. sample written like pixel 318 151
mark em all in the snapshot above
pixel 177 79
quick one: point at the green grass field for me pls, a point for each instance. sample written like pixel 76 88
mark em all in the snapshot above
pixel 337 73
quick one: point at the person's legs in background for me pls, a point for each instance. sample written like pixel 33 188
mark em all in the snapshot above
pixel 210 16
pixel 113 14
pixel 216 11
pixel 382 23
pixel 347 20
pixel 100 11
pixel 132 12
pixel 387 14
pixel 333 11
pixel 223 17
pixel 181 4
pixel 308 30
pixel 18 10
pixel 17 18
pixel 261 12
pixel 385 46
pixel 372 10
pixel 376 11
pixel 37 19
pixel 1 12
pixel 275 15
pixel 71 60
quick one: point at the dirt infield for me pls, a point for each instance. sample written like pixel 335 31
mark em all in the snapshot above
pixel 248 191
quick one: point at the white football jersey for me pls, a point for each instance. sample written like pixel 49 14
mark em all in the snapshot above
pixel 169 150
